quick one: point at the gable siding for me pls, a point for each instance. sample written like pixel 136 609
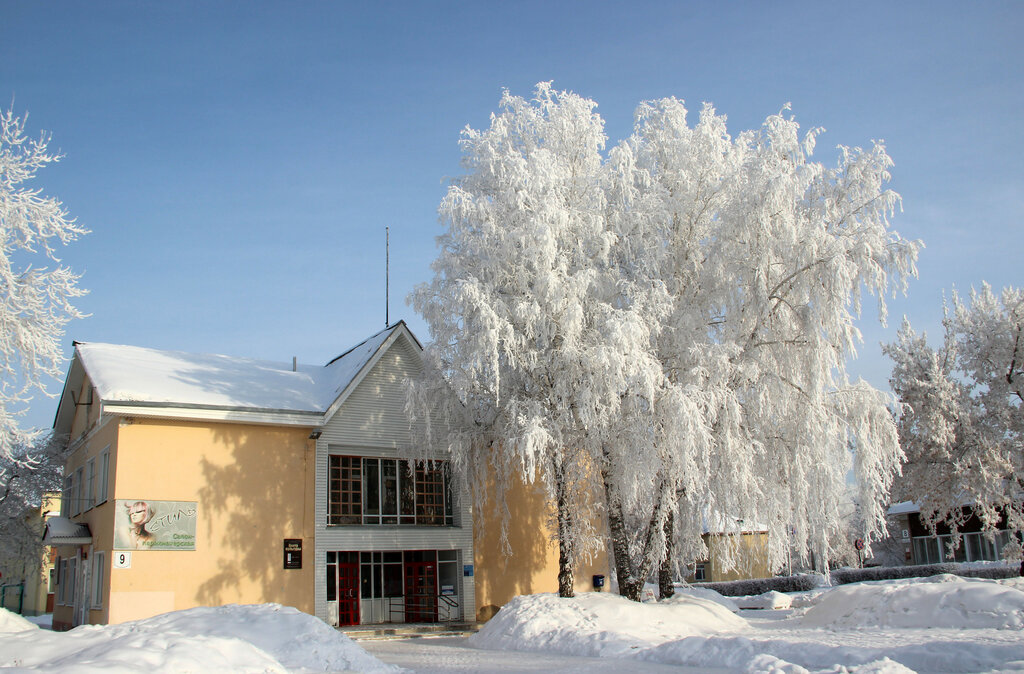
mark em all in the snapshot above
pixel 373 422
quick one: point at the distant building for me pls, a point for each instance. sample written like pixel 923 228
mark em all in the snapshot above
pixel 752 555
pixel 204 480
pixel 921 546
pixel 29 589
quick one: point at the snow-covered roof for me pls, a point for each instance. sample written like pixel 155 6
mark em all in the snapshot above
pixel 62 531
pixel 904 508
pixel 132 379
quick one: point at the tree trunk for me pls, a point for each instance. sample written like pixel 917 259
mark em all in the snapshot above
pixel 565 561
pixel 629 586
pixel 631 576
pixel 665 587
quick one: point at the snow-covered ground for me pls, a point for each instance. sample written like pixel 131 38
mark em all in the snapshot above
pixel 937 624
pixel 263 638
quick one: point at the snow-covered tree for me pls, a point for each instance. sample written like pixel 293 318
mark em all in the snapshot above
pixel 962 417
pixel 508 307
pixel 26 476
pixel 35 301
pixel 764 254
pixel 669 323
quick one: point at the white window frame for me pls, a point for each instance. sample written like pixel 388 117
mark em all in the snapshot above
pixel 62 572
pixel 76 493
pixel 99 571
pixel 65 500
pixel 69 594
pixel 104 476
pixel 90 483
pixel 700 572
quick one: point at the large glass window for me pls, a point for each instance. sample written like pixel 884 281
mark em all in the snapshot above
pixel 380 574
pixel 345 490
pixel 974 547
pixel 364 490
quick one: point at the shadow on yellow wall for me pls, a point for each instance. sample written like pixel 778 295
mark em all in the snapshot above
pixel 258 493
pixel 532 564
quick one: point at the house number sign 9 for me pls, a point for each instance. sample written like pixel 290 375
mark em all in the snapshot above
pixel 122 560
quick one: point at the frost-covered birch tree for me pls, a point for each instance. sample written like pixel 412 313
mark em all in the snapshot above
pixel 962 416
pixel 764 254
pixel 508 307
pixel 35 301
pixel 670 323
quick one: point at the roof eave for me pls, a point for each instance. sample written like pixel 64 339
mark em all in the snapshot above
pixel 187 412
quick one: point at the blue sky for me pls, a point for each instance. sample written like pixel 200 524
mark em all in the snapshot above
pixel 237 162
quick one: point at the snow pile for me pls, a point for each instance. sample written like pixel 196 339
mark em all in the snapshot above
pixel 12 622
pixel 938 624
pixel 705 593
pixel 600 624
pixel 767 664
pixel 261 638
pixel 937 601
pixel 767 600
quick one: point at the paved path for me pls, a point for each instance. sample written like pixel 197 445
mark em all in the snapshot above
pixel 451 654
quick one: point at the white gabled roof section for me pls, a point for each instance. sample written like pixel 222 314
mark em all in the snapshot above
pixel 136 381
pixel 371 351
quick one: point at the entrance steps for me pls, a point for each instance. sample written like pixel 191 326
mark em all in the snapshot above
pixel 409 631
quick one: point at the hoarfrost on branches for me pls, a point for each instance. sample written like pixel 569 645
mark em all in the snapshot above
pixel 26 476
pixel 35 301
pixel 665 329
pixel 962 415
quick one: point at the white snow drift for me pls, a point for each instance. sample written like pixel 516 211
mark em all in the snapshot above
pixel 262 638
pixel 939 624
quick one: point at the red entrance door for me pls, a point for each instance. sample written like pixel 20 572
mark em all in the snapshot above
pixel 420 592
pixel 348 594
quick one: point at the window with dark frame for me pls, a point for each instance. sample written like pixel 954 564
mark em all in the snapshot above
pixel 370 490
pixel 345 489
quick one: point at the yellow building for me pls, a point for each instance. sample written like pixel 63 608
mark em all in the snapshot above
pixel 27 588
pixel 199 480
pixel 750 553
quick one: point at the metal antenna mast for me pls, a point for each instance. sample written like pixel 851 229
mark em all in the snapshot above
pixel 387 275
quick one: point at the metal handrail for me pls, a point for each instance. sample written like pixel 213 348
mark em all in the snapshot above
pixel 424 603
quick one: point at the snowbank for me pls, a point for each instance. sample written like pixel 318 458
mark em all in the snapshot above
pixel 600 624
pixel 766 600
pixel 767 664
pixel 936 601
pixel 12 622
pixel 261 638
pixel 938 624
pixel 706 593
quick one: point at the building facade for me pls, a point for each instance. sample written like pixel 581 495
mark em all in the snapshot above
pixel 924 546
pixel 196 480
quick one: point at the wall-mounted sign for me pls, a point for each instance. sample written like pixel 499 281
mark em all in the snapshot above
pixel 122 560
pixel 154 525
pixel 467 570
pixel 293 553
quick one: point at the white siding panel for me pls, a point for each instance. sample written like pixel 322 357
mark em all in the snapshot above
pixel 372 422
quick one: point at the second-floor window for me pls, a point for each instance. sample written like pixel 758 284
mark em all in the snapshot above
pixel 364 490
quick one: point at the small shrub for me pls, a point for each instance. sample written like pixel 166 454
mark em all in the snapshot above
pixel 844 576
pixel 740 588
pixel 807 581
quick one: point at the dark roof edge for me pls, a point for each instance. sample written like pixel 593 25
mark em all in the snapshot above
pixel 393 326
